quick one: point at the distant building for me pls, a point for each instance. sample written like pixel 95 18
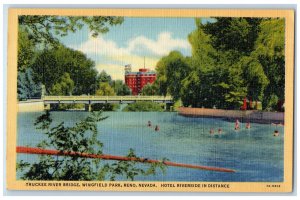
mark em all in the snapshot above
pixel 137 80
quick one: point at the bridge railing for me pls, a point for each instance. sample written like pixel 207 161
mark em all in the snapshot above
pixel 107 98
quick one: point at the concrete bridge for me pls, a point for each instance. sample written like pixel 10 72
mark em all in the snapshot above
pixel 89 100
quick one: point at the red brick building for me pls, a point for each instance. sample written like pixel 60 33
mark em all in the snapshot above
pixel 137 80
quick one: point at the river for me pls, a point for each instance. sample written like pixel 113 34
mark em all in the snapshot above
pixel 254 153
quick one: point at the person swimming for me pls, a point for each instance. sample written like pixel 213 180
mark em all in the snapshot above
pixel 219 130
pixel 237 125
pixel 149 124
pixel 156 128
pixel 211 131
pixel 276 133
pixel 248 126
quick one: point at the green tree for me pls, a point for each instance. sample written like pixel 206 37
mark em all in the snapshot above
pixel 105 77
pixel 27 88
pixel 81 138
pixel 161 78
pixel 63 87
pixel 51 64
pixel 150 89
pixel 232 58
pixel 203 53
pixel 270 52
pixel 196 87
pixel 235 34
pixel 105 90
pixel 172 69
pixel 26 50
pixel 41 33
pixel 255 79
pixel 120 88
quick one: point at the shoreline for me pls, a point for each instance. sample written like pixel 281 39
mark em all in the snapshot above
pixel 262 117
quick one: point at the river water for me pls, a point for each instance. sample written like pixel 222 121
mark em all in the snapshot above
pixel 255 154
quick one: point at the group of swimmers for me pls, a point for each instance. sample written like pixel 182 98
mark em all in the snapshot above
pixel 212 131
pixel 150 125
pixel 236 127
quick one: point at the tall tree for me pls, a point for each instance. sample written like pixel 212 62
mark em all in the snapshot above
pixel 120 88
pixel 203 53
pixel 105 90
pixel 27 88
pixel 41 33
pixel 51 64
pixel 270 52
pixel 150 89
pixel 104 77
pixel 26 50
pixel 174 68
pixel 255 79
pixel 64 86
pixel 237 34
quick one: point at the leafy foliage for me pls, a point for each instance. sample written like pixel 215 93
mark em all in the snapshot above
pixel 150 89
pixel 64 86
pixel 104 78
pixel 143 106
pixel 231 58
pixel 40 49
pixel 26 50
pixel 27 88
pixel 233 33
pixel 271 55
pixel 172 69
pixel 81 138
pixel 51 64
pixel 44 29
pixel 105 90
pixel 120 88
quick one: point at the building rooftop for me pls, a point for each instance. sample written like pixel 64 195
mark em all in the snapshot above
pixel 141 73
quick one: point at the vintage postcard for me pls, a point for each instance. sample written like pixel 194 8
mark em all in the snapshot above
pixel 185 100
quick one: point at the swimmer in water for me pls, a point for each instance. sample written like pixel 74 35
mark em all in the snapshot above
pixel 248 126
pixel 156 128
pixel 211 131
pixel 149 124
pixel 237 125
pixel 276 133
pixel 220 131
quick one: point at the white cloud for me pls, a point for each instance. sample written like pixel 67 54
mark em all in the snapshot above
pixel 109 56
pixel 160 47
pixel 115 71
pixel 135 46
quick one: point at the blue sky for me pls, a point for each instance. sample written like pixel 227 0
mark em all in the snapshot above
pixel 133 40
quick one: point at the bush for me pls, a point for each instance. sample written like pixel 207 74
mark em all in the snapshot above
pixel 146 106
pixel 105 107
pixel 65 106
